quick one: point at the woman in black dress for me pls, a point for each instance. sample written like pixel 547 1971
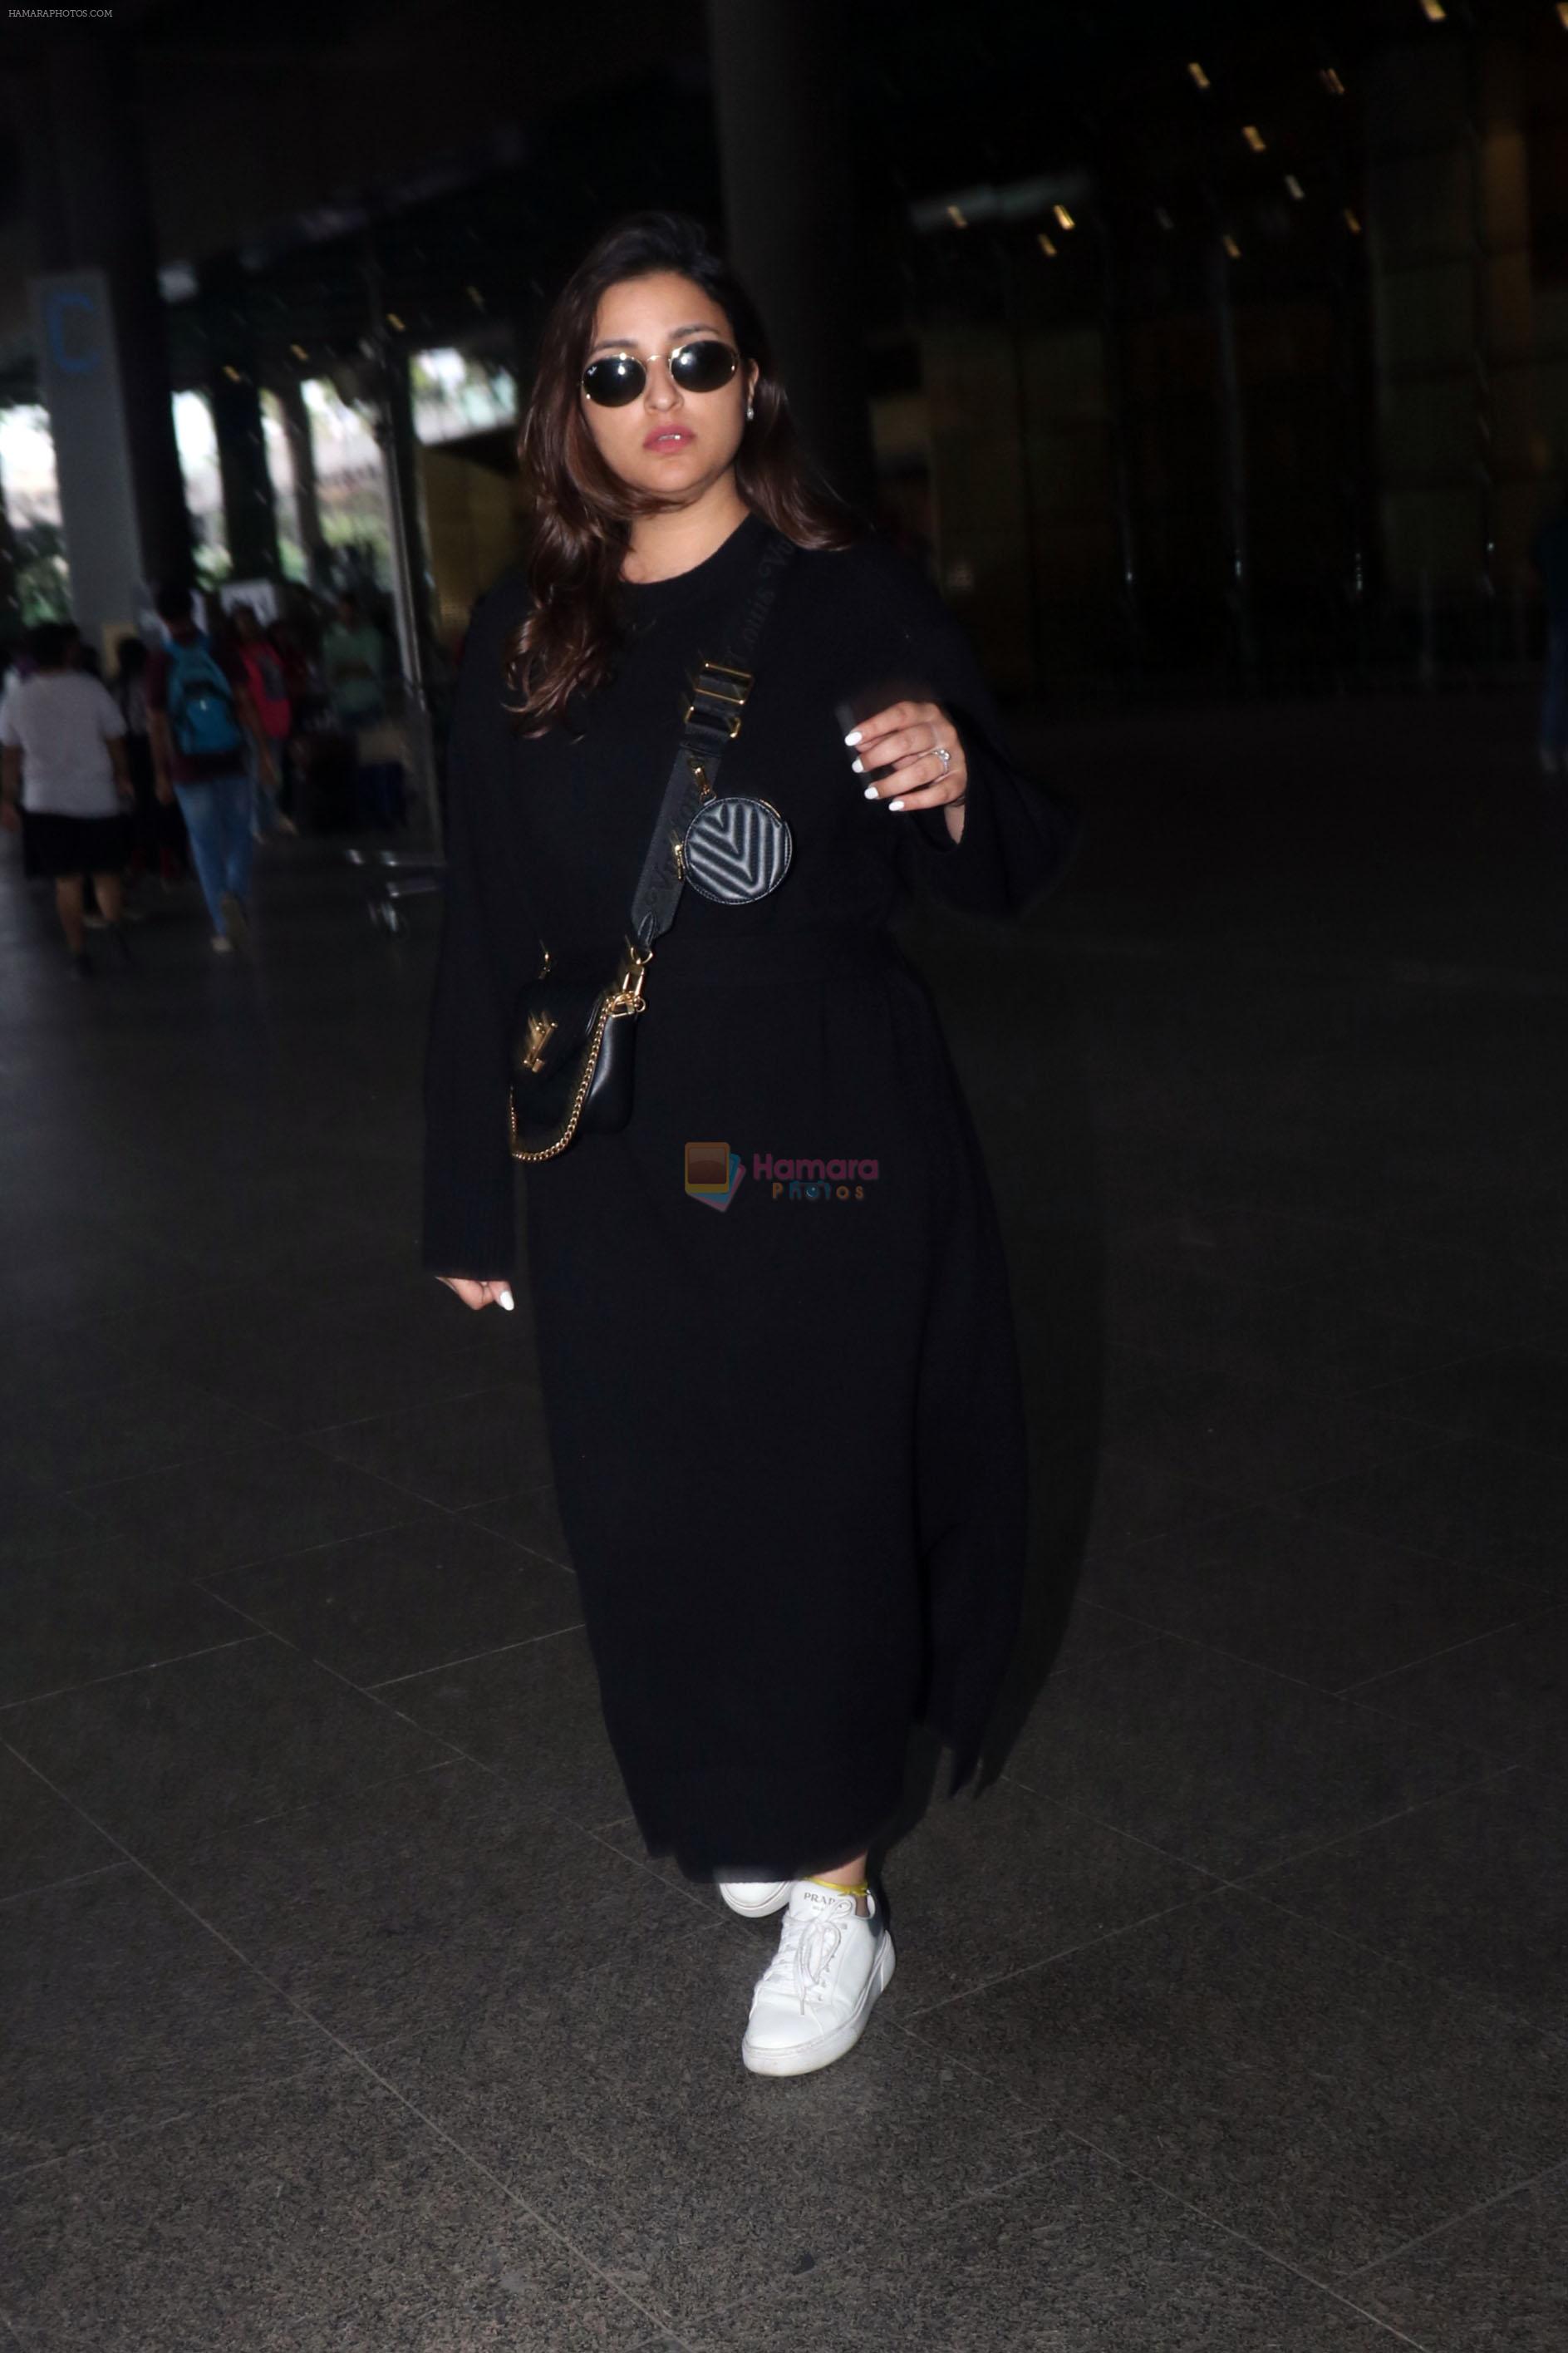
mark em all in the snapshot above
pixel 779 1380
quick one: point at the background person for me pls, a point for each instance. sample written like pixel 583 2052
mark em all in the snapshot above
pixel 66 783
pixel 200 713
pixel 353 656
pixel 354 659
pixel 270 693
pixel 158 832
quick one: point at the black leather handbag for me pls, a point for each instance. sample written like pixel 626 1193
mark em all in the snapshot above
pixel 573 1046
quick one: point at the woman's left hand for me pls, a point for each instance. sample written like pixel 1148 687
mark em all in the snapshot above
pixel 920 742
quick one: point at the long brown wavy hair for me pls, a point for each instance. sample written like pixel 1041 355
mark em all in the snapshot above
pixel 582 513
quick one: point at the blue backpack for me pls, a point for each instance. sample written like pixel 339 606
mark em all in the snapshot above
pixel 201 702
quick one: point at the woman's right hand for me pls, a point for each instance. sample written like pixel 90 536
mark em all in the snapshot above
pixel 479 1294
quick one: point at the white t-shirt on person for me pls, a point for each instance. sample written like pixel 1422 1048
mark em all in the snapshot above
pixel 61 722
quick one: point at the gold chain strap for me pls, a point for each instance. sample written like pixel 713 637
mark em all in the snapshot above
pixel 620 1003
pixel 613 1007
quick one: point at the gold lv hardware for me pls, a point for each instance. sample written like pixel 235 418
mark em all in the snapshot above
pixel 622 1003
pixel 540 1026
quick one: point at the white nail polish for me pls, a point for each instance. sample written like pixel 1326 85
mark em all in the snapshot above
pixel 857 767
pixel 507 1300
pixel 853 736
pixel 895 805
pixel 871 792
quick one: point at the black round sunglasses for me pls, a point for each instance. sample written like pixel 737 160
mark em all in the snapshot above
pixel 703 365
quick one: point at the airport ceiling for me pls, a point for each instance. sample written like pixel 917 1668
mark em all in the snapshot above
pixel 443 163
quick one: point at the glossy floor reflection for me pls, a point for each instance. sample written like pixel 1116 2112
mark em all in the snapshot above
pixel 342 2006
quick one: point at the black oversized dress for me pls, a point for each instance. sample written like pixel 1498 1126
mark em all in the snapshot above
pixel 787 1431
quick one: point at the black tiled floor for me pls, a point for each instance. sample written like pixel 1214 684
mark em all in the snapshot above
pixel 1518 1396
pixel 107 1604
pixel 122 2012
pixel 1501 1508
pixel 1499 2268
pixel 1328 2105
pixel 344 2006
pixel 54 1441
pixel 247 1506
pixel 466 1449
pixel 530 1519
pixel 1288 1587
pixel 1239 1436
pixel 1075 2252
pixel 378 1608
pixel 614 2102
pixel 395 1910
pixel 43 1839
pixel 1227 1765
pixel 165 1757
pixel 34 1527
pixel 242 2225
pixel 1508 1692
pixel 1473 1887
pixel 532 1712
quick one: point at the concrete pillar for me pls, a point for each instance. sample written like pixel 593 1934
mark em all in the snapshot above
pixel 302 464
pixel 1448 257
pixel 411 558
pixel 1233 469
pixel 251 516
pixel 980 484
pixel 786 142
pixel 10 596
pixel 88 208
pixel 413 587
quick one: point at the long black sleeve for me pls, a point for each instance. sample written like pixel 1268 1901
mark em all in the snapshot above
pixel 1017 837
pixel 470 1194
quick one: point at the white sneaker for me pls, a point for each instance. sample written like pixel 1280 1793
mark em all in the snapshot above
pixel 755 1898
pixel 222 944
pixel 813 1999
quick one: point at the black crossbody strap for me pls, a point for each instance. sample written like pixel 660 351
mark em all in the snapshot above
pixel 709 724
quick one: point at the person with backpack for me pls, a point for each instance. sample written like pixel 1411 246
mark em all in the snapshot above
pixel 200 713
